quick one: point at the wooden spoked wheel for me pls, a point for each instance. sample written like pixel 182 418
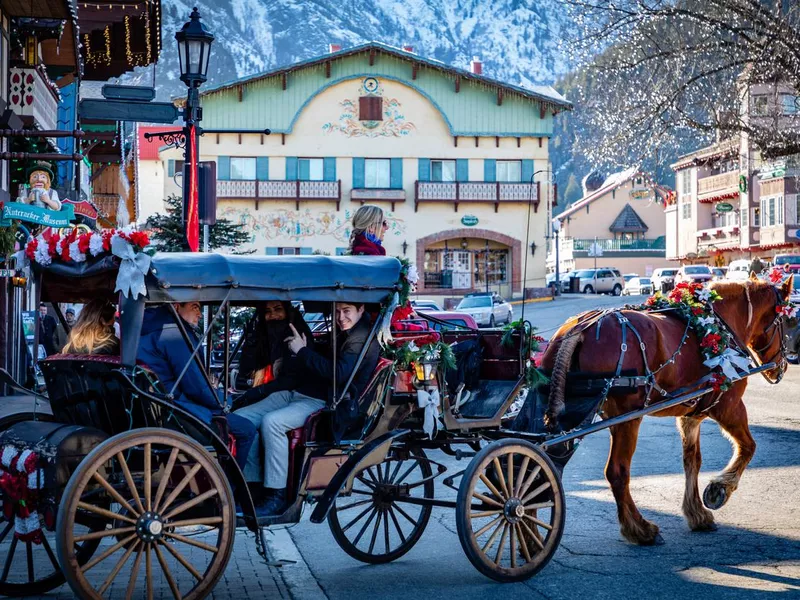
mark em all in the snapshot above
pixel 168 518
pixel 510 510
pixel 379 522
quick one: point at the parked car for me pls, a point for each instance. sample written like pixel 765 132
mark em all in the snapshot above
pixel 455 320
pixel 719 273
pixel 425 305
pixel 628 276
pixel 598 281
pixel 638 286
pixel 486 309
pixel 788 262
pixel 739 270
pixel 694 274
pixel 662 276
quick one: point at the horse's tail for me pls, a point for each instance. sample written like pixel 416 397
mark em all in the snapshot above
pixel 558 379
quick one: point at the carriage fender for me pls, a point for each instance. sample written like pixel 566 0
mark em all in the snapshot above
pixel 372 453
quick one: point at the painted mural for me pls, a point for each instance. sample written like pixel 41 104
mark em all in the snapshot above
pixel 300 225
pixel 394 123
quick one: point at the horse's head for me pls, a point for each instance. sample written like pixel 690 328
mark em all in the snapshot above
pixel 751 309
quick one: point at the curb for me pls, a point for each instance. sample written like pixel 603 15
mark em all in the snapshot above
pixel 531 301
pixel 296 575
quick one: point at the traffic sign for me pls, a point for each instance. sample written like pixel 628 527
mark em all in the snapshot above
pixel 126 110
pixel 596 250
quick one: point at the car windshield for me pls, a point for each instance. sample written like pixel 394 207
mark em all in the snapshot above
pixel 699 270
pixel 475 302
pixel 668 272
pixel 582 273
pixel 644 281
pixel 788 260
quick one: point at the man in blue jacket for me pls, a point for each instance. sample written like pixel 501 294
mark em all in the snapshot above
pixel 163 349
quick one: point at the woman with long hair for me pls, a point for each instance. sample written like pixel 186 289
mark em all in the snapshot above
pixel 93 332
pixel 369 227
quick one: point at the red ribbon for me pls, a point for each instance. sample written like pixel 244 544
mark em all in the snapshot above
pixel 192 218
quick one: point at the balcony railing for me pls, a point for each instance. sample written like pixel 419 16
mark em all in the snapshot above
pixel 31 95
pixel 718 184
pixel 476 191
pixel 280 190
pixel 716 236
pixel 611 245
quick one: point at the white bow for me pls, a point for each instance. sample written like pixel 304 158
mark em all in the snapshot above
pixel 729 361
pixel 430 402
pixel 130 279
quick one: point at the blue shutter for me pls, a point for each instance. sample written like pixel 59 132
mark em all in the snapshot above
pixel 223 168
pixel 291 168
pixel 358 173
pixel 272 251
pixel 303 170
pixel 527 170
pixel 490 170
pixel 170 168
pixel 262 168
pixel 306 250
pixel 424 166
pixel 462 169
pixel 329 169
pixel 396 174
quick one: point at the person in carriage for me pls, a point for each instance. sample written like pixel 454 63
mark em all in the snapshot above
pixel 93 333
pixel 163 350
pixel 285 410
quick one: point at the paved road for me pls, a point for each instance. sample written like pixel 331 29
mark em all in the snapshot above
pixel 754 554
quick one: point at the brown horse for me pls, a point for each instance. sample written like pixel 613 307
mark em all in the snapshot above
pixel 749 310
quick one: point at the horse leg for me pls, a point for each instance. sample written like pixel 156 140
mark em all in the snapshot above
pixel 732 419
pixel 698 517
pixel 633 526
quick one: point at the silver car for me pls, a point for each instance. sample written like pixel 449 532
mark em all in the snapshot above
pixel 598 281
pixel 487 310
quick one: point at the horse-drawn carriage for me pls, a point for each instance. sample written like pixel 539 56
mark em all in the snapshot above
pixel 115 479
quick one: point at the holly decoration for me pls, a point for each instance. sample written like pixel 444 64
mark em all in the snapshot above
pixel 74 247
pixel 530 346
pixel 425 348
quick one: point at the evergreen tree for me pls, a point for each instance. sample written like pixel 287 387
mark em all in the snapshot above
pixel 573 191
pixel 169 233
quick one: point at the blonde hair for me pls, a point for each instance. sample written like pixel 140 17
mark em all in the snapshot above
pixel 93 330
pixel 367 219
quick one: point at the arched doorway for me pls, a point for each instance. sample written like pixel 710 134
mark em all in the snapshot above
pixel 469 259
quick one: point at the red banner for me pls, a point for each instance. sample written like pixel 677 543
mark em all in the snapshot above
pixel 192 219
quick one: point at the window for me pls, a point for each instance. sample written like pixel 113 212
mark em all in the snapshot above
pixel 779 210
pixel 509 171
pixel 760 106
pixel 686 183
pixel 756 217
pixel 310 169
pixel 377 173
pixel 744 217
pixel 686 207
pixel 789 104
pixel 175 167
pixel 443 170
pixel 370 108
pixel 243 168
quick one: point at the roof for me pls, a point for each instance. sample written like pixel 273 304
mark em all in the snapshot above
pixel 723 148
pixel 148 149
pixel 612 182
pixel 543 93
pixel 628 220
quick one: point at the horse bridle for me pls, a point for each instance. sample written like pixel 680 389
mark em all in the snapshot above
pixel 777 327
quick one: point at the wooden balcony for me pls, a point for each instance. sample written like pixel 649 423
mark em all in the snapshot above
pixel 32 97
pixel 723 236
pixel 476 191
pixel 280 190
pixel 717 186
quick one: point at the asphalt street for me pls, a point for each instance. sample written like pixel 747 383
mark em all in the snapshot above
pixel 754 554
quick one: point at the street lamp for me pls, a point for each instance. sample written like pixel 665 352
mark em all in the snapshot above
pixel 194 49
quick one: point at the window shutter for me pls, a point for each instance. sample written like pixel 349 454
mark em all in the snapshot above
pixel 370 108
pixel 358 173
pixel 527 170
pixel 223 168
pixel 462 169
pixel 303 170
pixel 170 168
pixel 424 169
pixel 490 170
pixel 262 168
pixel 291 168
pixel 329 169
pixel 306 250
pixel 396 174
pixel 272 251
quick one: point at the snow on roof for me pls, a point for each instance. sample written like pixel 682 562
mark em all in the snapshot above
pixel 613 181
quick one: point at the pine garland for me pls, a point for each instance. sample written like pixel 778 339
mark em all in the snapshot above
pixel 530 346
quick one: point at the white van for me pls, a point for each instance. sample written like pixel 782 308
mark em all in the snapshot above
pixel 739 270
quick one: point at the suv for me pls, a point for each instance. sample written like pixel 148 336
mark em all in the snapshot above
pixel 486 309
pixel 662 276
pixel 694 274
pixel 599 281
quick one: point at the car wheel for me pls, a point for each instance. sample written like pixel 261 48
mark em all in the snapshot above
pixel 508 318
pixel 491 322
pixel 792 355
pixel 588 290
pixel 617 290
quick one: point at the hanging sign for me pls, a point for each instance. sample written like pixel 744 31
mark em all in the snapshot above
pixel 18 211
pixel 469 220
pixel 640 194
pixel 724 207
pixel 29 324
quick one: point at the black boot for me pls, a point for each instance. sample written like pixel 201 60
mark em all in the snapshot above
pixel 274 505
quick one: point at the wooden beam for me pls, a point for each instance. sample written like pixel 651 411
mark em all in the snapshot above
pixel 541 111
pixel 240 90
pixel 476 141
pixel 240 139
pixel 455 141
pixel 372 57
pixel 283 139
pixel 540 142
pixel 328 69
pixel 283 82
pixel 217 139
pixel 262 139
pixel 497 141
pixel 413 73
pixel 458 83
pixel 499 97
pixel 519 142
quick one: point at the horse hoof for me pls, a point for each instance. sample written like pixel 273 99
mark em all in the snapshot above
pixel 705 527
pixel 715 496
pixel 658 540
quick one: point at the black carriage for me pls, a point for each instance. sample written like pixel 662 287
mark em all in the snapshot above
pixel 125 479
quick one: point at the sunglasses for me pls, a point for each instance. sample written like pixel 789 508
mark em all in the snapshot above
pixel 385 225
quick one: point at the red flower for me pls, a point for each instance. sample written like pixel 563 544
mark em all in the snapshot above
pixel 711 341
pixel 540 339
pixel 30 249
pixel 651 301
pixel 717 381
pixel 697 310
pixel 107 235
pixel 83 242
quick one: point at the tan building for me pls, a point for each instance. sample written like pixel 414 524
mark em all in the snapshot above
pixel 459 162
pixel 623 218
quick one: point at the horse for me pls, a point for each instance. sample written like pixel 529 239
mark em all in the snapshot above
pixel 592 342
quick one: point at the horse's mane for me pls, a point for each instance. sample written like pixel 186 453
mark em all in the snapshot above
pixel 732 288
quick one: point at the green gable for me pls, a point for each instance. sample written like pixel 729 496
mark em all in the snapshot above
pixel 481 107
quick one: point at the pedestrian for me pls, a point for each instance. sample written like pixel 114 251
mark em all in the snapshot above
pixel 48 334
pixel 369 228
pixel 756 266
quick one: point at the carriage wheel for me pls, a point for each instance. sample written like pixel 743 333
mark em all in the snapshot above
pixel 510 510
pixel 371 525
pixel 169 512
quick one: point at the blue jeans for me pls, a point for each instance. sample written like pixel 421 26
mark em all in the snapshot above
pixel 245 433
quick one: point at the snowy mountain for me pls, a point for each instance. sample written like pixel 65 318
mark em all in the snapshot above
pixel 516 39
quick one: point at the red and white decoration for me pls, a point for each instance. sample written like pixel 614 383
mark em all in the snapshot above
pixel 20 482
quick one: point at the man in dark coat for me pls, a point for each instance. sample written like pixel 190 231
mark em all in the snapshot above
pixel 163 349
pixel 289 409
pixel 48 334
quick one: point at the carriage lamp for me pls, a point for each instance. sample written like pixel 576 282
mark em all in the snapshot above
pixel 425 370
pixel 194 48
pixel 19 280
